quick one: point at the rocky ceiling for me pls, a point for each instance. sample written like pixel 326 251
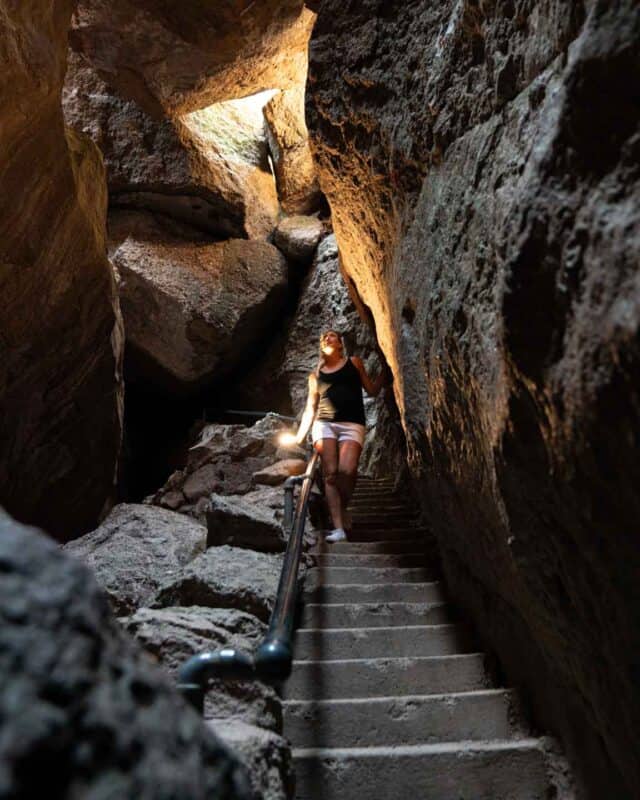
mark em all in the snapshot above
pixel 180 57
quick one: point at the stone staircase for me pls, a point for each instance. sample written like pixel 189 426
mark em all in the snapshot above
pixel 389 698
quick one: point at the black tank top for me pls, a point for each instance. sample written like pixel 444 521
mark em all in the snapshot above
pixel 341 395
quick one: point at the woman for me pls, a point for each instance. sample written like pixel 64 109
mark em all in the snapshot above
pixel 335 401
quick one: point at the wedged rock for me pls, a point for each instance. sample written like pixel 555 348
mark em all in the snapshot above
pixel 183 57
pixel 298 187
pixel 298 237
pixel 81 698
pixel 193 310
pixel 137 549
pixel 252 520
pixel 266 755
pixel 209 168
pixel 222 461
pixel 61 335
pixel 277 473
pixel 172 635
pixel 487 206
pixel 225 577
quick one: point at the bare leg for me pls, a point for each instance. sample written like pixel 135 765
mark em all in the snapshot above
pixel 349 455
pixel 328 449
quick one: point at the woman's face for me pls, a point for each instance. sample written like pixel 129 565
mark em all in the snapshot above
pixel 330 343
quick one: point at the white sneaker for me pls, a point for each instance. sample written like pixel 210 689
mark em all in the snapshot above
pixel 337 535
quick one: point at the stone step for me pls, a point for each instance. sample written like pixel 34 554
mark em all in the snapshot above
pixel 497 770
pixel 417 641
pixel 377 534
pixel 380 593
pixel 369 506
pixel 381 519
pixel 377 560
pixel 372 574
pixel 381 677
pixel 388 547
pixel 411 719
pixel 375 615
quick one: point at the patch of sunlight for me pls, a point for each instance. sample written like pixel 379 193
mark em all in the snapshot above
pixel 235 127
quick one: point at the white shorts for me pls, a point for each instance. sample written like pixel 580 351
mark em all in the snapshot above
pixel 342 431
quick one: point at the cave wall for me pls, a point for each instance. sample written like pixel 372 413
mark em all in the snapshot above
pixel 481 162
pixel 60 326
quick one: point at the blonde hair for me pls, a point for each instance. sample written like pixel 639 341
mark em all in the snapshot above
pixel 320 355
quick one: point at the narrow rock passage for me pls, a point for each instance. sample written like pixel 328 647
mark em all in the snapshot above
pixel 389 697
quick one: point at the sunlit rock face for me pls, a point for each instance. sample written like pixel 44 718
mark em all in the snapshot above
pixel 208 168
pixel 481 162
pixel 184 56
pixel 295 171
pixel 193 309
pixel 60 329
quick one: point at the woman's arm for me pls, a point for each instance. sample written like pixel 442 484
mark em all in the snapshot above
pixel 371 387
pixel 309 409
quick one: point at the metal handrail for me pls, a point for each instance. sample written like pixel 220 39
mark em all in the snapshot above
pixel 273 658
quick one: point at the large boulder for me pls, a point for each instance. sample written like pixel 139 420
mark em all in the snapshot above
pixel 295 171
pixel 252 520
pixel 298 237
pixel 226 577
pixel 208 168
pixel 192 310
pixel 184 56
pixel 60 328
pixel 487 204
pixel 81 706
pixel 137 549
pixel 172 635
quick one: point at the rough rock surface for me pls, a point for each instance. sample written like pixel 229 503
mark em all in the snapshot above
pixel 79 703
pixel 192 310
pixel 277 473
pixel 226 577
pixel 136 549
pixel 172 635
pixel 298 237
pixel 295 171
pixel 185 56
pixel 222 461
pixel 481 163
pixel 266 755
pixel 60 329
pixel 208 168
pixel 252 520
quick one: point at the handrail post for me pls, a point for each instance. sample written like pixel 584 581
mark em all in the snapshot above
pixel 289 485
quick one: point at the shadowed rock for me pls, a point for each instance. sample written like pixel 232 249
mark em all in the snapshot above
pixel 193 310
pixel 81 706
pixel 267 756
pixel 252 520
pixel 136 549
pixel 226 577
pixel 172 635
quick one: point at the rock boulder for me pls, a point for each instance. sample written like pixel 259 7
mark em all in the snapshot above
pixel 80 703
pixel 252 520
pixel 172 635
pixel 298 237
pixel 225 577
pixel 136 549
pixel 192 310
